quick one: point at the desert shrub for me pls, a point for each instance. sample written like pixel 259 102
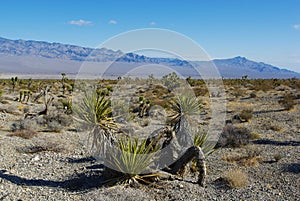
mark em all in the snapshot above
pixel 273 127
pixel 236 178
pixel 238 92
pixel 25 124
pixel 201 91
pixel 262 85
pixel 253 95
pixel 48 146
pixel 287 101
pixel 67 105
pixel 234 137
pixel 25 134
pixel 252 158
pixel 60 118
pixel 246 114
pixel 54 126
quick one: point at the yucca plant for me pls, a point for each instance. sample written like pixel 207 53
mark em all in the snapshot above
pixel 184 106
pixel 133 158
pixel 200 140
pixel 94 112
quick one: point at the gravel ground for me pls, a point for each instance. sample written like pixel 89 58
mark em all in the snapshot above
pixel 64 170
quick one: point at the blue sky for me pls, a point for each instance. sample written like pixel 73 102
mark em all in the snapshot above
pixel 261 30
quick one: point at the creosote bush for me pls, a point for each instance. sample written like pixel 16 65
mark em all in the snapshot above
pixel 234 137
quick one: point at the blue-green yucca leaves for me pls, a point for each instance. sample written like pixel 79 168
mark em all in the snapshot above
pixel 200 140
pixel 133 157
pixel 184 105
pixel 95 110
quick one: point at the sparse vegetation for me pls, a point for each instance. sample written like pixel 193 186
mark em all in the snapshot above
pixel 246 114
pixel 234 137
pixel 237 178
pixel 25 134
pixel 288 101
pixel 133 158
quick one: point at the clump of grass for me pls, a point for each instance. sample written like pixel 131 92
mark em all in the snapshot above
pixel 237 178
pixel 247 160
pixel 25 134
pixel 273 127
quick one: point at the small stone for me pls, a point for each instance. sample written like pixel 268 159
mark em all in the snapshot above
pixel 36 158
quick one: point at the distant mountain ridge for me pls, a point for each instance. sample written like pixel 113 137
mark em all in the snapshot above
pixel 76 53
pixel 21 56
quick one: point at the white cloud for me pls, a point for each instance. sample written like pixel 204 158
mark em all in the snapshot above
pixel 112 22
pixel 80 22
pixel 296 26
pixel 152 23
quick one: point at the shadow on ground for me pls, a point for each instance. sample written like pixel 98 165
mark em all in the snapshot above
pixel 291 168
pixel 277 143
pixel 79 182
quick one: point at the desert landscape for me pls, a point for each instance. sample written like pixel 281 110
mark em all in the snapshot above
pixel 45 154
pixel 150 100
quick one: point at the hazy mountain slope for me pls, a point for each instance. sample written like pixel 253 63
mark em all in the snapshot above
pixel 36 57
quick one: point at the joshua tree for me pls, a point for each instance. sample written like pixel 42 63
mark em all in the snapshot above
pixel 14 81
pixel 63 80
pixel 25 95
pixel 171 81
pixel 29 83
pixel 144 106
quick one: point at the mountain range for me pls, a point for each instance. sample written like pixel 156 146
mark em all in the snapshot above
pixel 43 58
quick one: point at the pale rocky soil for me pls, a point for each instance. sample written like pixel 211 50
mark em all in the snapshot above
pixel 70 173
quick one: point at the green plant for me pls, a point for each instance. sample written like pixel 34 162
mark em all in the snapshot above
pixel 67 104
pixel 14 81
pixel 246 114
pixel 200 140
pixel 184 106
pixel 132 159
pixel 110 88
pixel 94 111
pixel 64 79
